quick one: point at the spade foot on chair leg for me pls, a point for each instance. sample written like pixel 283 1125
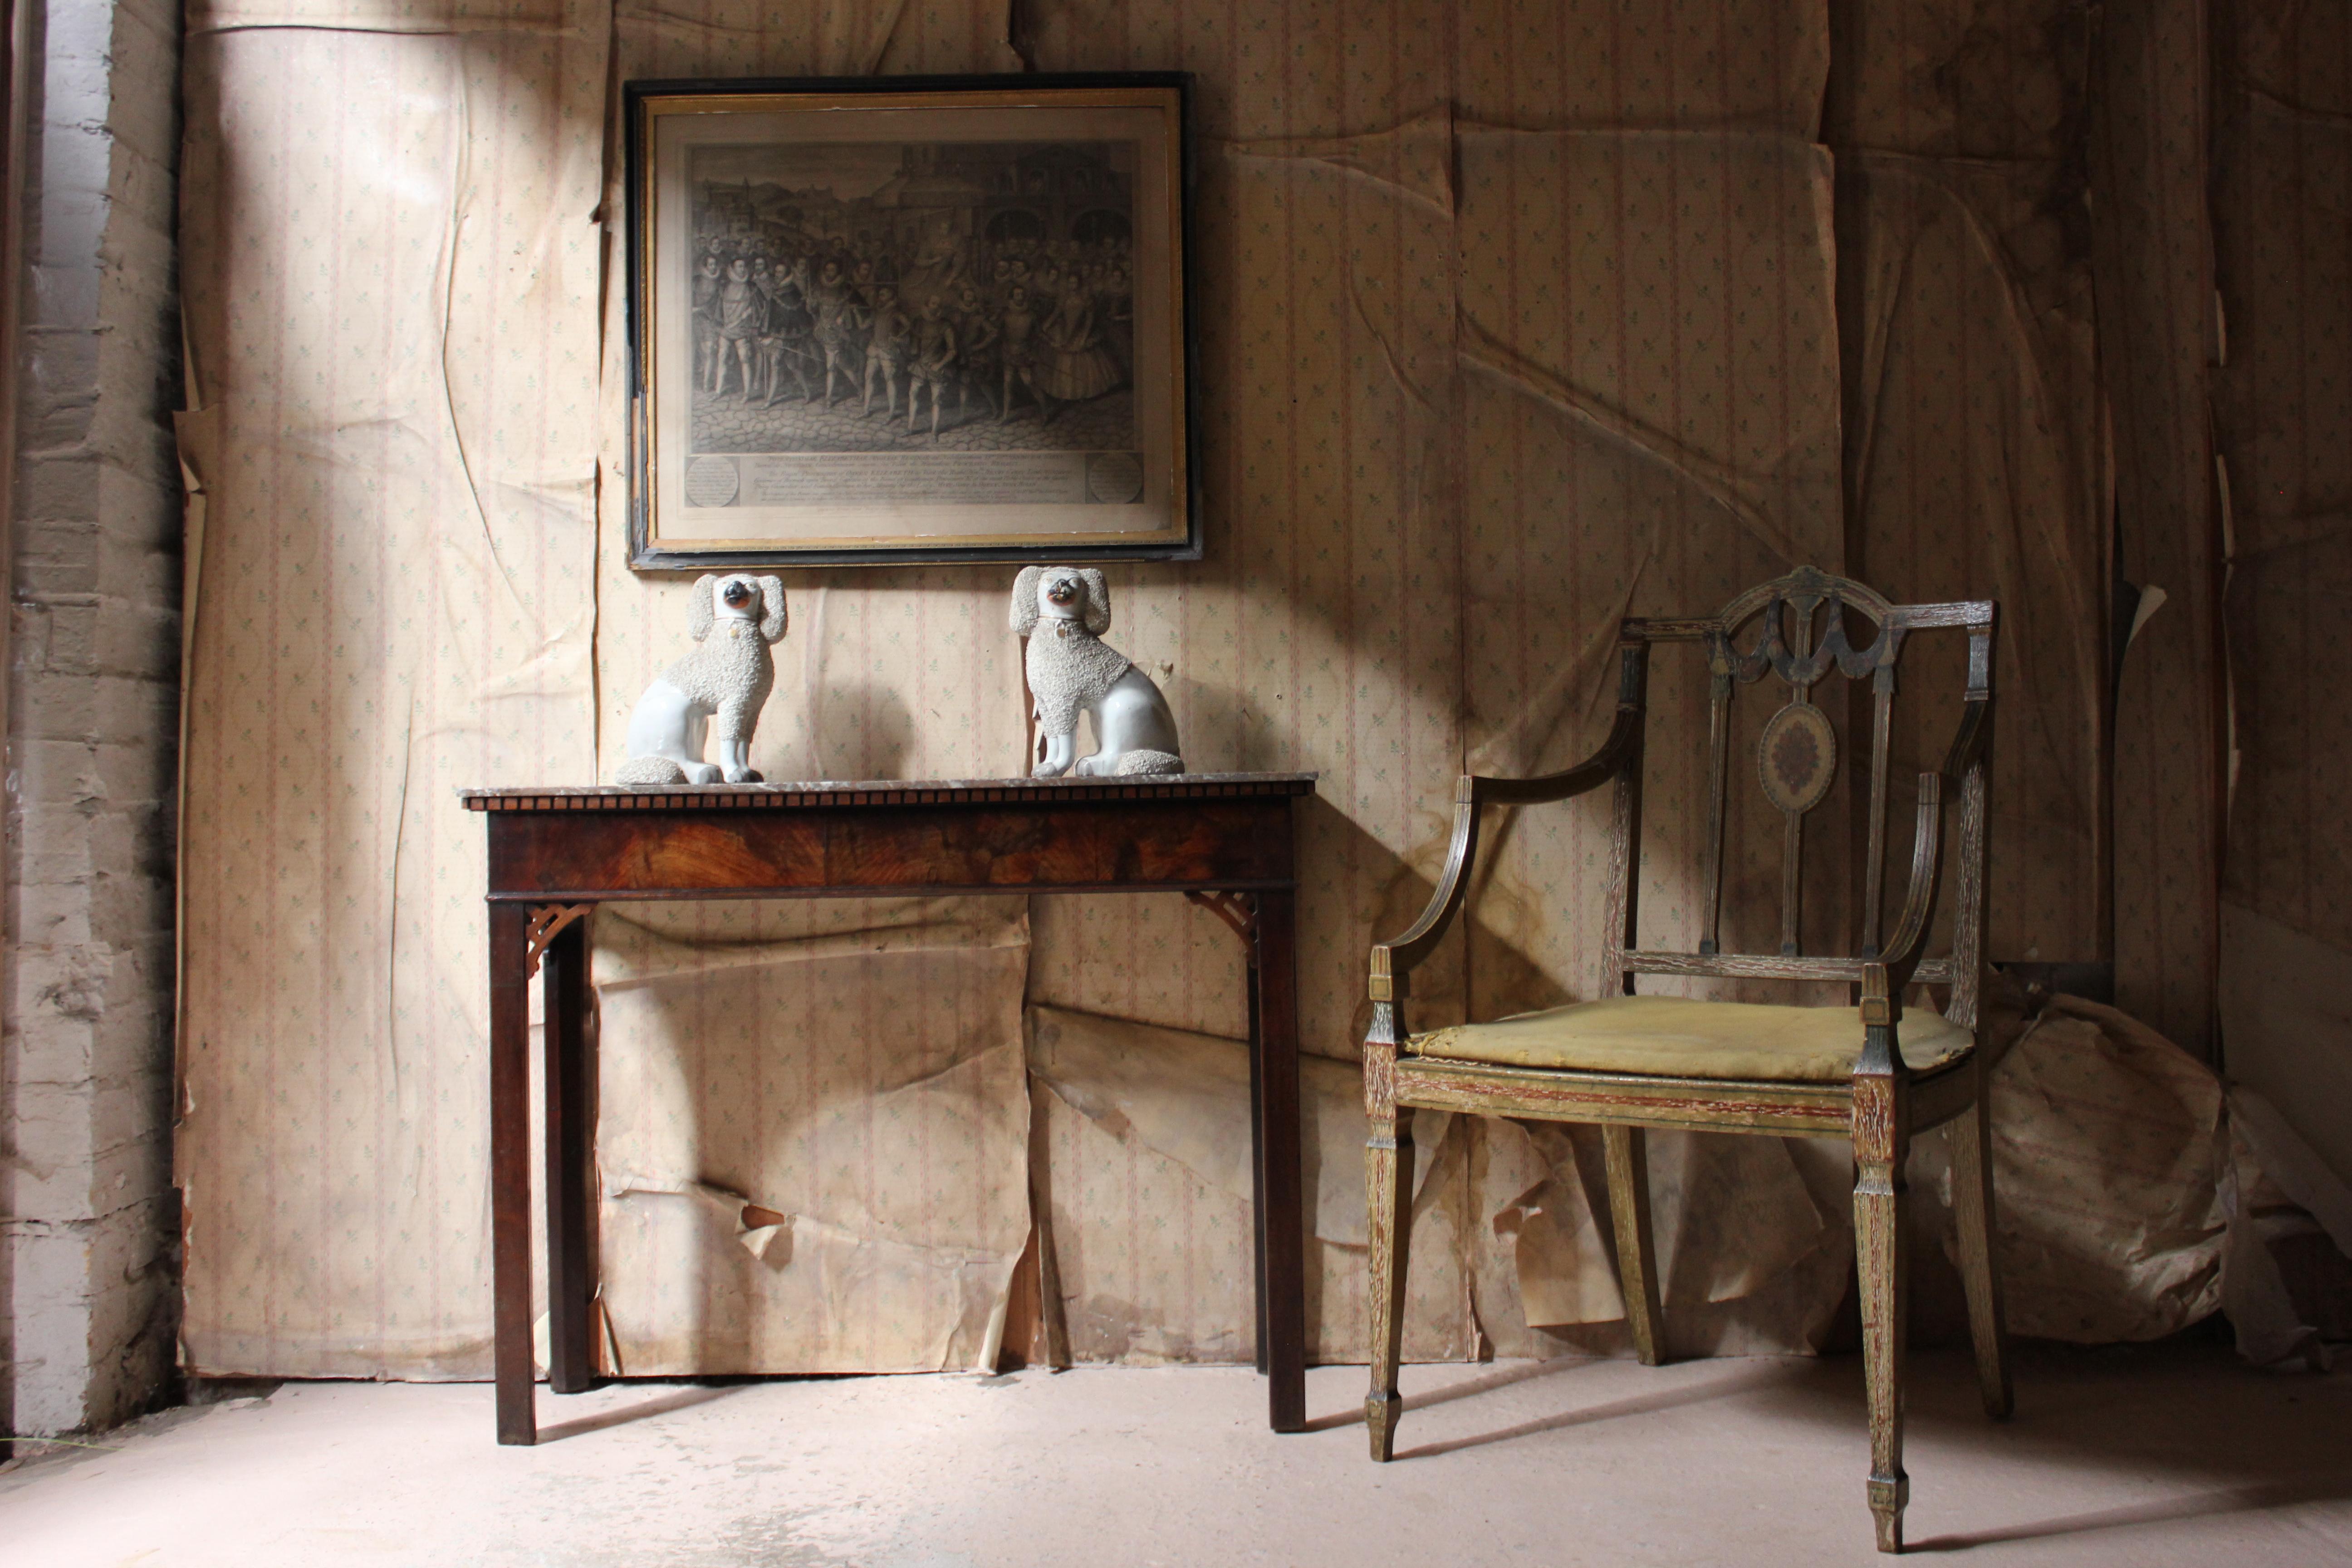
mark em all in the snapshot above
pixel 1381 1412
pixel 1888 1494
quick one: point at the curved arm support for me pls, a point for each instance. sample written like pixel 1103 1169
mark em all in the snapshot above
pixel 1902 949
pixel 1393 959
pixel 1969 740
pixel 1885 979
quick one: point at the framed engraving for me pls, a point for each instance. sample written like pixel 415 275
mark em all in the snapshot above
pixel 908 318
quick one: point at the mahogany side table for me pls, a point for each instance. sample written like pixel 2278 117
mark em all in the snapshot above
pixel 1226 840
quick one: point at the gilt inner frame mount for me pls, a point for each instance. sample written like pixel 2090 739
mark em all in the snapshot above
pixel 907 320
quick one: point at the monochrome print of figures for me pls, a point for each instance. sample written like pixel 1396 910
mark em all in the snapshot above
pixel 903 298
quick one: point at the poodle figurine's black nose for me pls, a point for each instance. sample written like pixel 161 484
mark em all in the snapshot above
pixel 737 594
pixel 1062 592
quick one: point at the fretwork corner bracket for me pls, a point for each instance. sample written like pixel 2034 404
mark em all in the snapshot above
pixel 546 923
pixel 1238 911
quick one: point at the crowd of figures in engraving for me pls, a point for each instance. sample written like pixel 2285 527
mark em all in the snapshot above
pixel 985 290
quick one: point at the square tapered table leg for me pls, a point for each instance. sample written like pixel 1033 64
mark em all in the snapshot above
pixel 1282 1285
pixel 571 1090
pixel 510 1170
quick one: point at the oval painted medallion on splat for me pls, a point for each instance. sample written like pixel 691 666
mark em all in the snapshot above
pixel 1797 757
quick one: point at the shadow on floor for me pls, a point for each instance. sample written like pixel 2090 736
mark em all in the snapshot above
pixel 1642 1405
pixel 1503 1377
pixel 621 1415
pixel 2329 1488
pixel 2249 1445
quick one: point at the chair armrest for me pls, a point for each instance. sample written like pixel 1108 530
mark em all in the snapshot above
pixel 1392 960
pixel 1587 775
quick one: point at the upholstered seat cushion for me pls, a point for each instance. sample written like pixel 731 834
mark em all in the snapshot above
pixel 1672 1036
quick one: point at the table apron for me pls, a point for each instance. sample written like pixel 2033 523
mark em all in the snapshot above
pixel 1081 846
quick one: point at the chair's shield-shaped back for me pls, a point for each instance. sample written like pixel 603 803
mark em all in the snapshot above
pixel 1787 637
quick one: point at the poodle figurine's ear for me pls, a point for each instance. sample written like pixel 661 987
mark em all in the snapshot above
pixel 702 610
pixel 771 600
pixel 1098 600
pixel 1024 599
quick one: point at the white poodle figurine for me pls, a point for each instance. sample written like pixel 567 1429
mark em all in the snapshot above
pixel 728 676
pixel 1064 610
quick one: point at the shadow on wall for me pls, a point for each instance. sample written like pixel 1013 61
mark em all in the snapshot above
pixel 1515 946
pixel 1496 924
pixel 851 729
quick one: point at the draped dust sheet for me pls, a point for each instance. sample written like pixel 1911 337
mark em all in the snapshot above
pixel 1975 450
pixel 2156 192
pixel 1525 325
pixel 2283 401
pixel 389 278
pixel 1511 319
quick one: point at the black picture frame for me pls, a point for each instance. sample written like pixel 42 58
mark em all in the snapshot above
pixel 1159 364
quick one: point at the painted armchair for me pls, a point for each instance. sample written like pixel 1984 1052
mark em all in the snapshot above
pixel 1875 1073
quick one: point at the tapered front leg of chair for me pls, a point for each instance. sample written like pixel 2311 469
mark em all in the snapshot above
pixel 1637 1255
pixel 1881 1144
pixel 1973 1217
pixel 1387 1183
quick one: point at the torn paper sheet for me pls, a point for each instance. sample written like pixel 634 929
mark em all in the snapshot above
pixel 2277 1192
pixel 814 1132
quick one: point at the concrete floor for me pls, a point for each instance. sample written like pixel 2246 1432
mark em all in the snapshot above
pixel 2147 1457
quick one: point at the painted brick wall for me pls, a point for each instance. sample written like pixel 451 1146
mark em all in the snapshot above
pixel 88 1297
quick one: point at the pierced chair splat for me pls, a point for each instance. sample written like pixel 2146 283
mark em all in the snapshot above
pixel 1874 1073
